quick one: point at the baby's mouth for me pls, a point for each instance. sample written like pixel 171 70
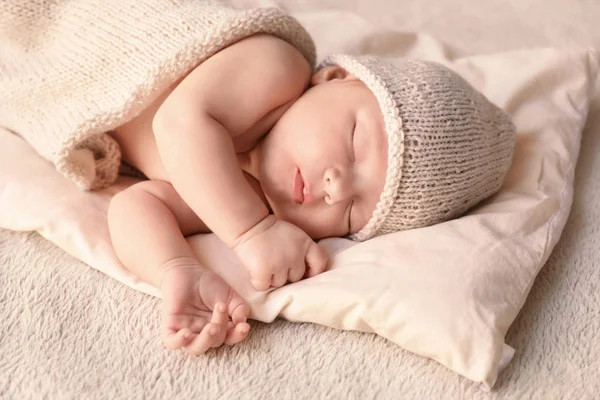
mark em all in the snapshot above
pixel 298 187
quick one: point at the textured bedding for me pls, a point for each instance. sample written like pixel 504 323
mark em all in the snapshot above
pixel 63 95
pixel 67 305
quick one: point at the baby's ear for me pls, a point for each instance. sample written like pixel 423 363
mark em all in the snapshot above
pixel 329 73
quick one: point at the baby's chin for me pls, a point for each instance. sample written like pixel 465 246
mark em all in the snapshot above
pixel 278 212
pixel 277 207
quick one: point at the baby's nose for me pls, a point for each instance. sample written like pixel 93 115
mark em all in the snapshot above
pixel 336 186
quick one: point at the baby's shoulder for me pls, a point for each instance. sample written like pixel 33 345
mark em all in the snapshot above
pixel 241 84
pixel 266 68
pixel 272 56
pixel 264 63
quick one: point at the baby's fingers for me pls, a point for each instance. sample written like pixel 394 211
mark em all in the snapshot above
pixel 204 341
pixel 238 309
pixel 237 333
pixel 279 278
pixel 213 334
pixel 219 316
pixel 296 273
pixel 176 340
pixel 316 259
pixel 261 280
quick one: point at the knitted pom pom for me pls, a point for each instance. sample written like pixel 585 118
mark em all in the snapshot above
pixel 80 167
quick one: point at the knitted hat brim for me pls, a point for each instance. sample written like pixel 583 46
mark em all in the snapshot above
pixel 395 136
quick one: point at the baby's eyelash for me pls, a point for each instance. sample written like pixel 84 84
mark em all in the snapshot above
pixel 350 217
pixel 352 155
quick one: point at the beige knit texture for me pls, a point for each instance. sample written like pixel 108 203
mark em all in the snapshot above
pixel 449 147
pixel 70 71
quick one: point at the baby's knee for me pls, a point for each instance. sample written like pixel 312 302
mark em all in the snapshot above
pixel 122 203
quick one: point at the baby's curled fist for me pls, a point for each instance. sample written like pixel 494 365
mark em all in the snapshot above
pixel 275 252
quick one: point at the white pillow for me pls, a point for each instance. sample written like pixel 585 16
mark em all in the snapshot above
pixel 448 292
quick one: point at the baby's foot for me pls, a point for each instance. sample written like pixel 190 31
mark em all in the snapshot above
pixel 189 293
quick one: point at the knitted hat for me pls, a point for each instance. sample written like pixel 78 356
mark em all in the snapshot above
pixel 448 146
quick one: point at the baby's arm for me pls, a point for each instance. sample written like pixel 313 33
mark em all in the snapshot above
pixel 199 157
pixel 217 104
pixel 148 222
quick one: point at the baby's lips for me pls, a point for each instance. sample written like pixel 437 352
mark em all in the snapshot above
pixel 306 192
pixel 298 187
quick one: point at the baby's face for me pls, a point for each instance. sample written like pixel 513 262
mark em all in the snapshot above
pixel 323 165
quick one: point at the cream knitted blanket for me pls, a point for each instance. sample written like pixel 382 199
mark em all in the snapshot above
pixel 72 70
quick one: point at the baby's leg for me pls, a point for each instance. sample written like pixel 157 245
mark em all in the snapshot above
pixel 147 225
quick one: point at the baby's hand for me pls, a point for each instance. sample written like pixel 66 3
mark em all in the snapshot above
pixel 275 251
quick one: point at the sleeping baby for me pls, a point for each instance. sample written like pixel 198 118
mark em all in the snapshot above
pixel 240 135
